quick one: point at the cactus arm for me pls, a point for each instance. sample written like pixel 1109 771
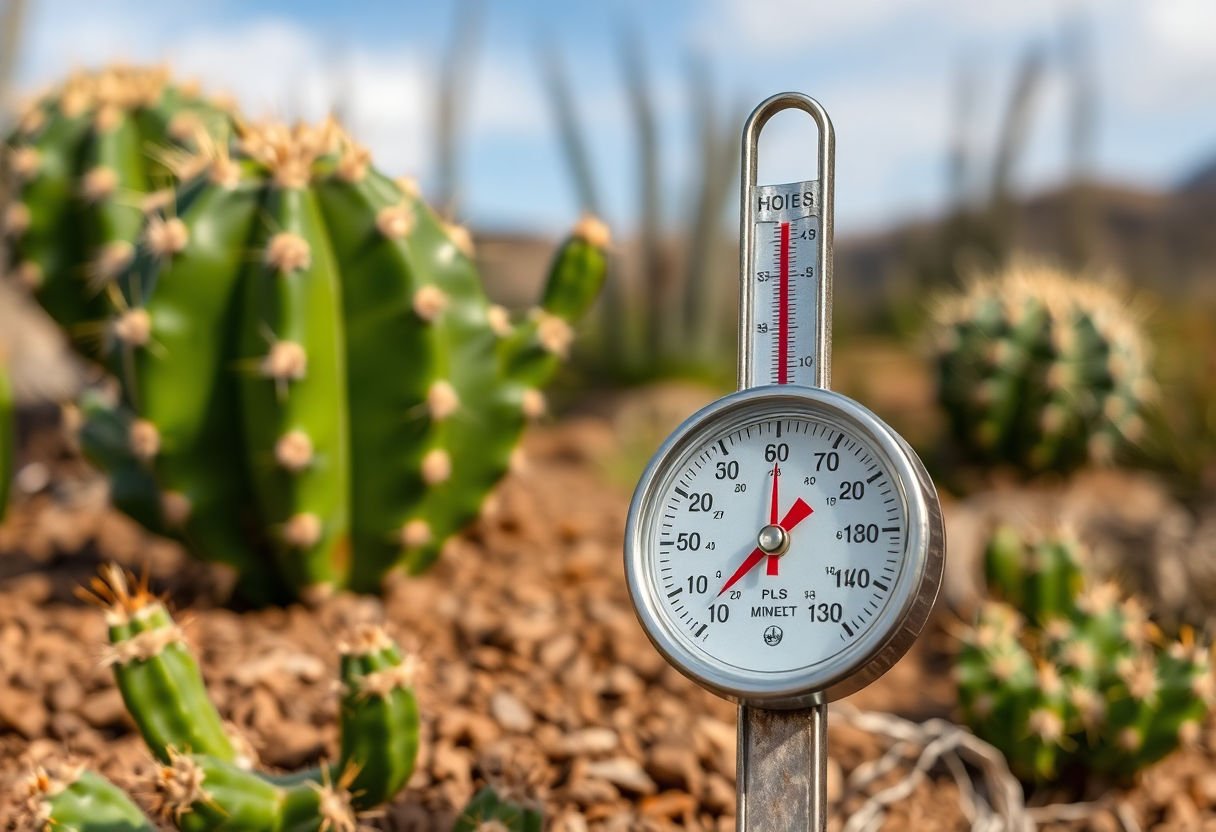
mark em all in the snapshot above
pixel 387 403
pixel 184 380
pixel 163 687
pixel 292 295
pixel 379 718
pixel 203 794
pixel 90 803
pixel 159 680
pixel 532 354
pixel 468 452
pixel 496 374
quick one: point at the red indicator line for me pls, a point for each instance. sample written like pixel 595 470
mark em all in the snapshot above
pixel 783 309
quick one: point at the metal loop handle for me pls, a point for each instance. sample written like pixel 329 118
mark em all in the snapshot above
pixel 826 182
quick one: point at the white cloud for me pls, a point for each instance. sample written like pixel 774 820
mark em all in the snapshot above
pixel 276 67
pixel 767 26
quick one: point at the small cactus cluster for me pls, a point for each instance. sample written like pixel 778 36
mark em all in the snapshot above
pixel 1060 675
pixel 86 161
pixel 204 778
pixel 1040 369
pixel 315 388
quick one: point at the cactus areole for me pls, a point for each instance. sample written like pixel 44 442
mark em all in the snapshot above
pixel 315 388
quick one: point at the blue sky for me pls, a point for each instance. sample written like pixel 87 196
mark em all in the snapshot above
pixel 885 70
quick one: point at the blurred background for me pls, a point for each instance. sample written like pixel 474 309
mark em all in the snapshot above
pixel 1084 131
pixel 1071 141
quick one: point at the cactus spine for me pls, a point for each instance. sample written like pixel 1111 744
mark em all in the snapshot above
pixel 1083 679
pixel 1041 370
pixel 87 159
pixel 307 352
pixel 68 799
pixel 205 779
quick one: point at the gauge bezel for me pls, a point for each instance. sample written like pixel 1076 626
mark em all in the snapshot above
pixel 912 595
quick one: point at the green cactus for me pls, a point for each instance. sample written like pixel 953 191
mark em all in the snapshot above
pixel 165 694
pixel 102 429
pixel 320 389
pixel 1040 579
pixel 491 811
pixel 88 159
pixel 201 794
pixel 1084 682
pixel 66 798
pixel 160 681
pixel 379 716
pixel 1040 369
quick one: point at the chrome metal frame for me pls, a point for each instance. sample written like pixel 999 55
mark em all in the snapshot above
pixel 826 189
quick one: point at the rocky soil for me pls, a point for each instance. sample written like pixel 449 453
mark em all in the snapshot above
pixel 530 657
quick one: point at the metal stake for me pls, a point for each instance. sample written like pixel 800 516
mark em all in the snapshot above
pixel 782 770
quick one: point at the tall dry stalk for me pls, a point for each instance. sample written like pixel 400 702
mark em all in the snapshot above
pixel 658 278
pixel 12 17
pixel 716 173
pixel 455 87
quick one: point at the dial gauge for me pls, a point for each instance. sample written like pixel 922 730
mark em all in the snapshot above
pixel 780 542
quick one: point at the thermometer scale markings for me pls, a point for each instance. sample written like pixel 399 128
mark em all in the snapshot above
pixel 786 286
pixel 782 356
pixel 691 495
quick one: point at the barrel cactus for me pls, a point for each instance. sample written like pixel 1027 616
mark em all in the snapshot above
pixel 1083 682
pixel 312 375
pixel 86 162
pixel 1040 369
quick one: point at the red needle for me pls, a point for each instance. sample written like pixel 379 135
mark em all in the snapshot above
pixel 772 567
pixel 798 512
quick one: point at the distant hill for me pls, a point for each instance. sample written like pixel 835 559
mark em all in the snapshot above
pixel 1163 240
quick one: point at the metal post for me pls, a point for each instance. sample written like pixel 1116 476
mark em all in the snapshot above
pixel 782 770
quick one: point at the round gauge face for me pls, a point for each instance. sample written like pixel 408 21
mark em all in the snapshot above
pixel 774 540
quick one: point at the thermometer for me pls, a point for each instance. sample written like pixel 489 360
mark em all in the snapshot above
pixel 785 546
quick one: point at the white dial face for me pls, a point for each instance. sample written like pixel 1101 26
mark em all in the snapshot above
pixel 776 543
